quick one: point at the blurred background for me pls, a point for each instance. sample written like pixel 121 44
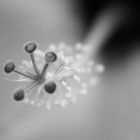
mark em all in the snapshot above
pixel 111 111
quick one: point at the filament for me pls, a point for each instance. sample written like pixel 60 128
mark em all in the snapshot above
pixel 34 64
pixel 44 69
pixel 34 84
pixel 24 74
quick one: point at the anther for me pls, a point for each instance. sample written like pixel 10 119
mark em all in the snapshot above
pixel 30 47
pixel 50 57
pixel 50 87
pixel 19 95
pixel 9 67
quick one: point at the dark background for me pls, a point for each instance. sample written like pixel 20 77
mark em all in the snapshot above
pixel 120 44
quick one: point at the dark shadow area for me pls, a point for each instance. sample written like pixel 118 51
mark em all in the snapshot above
pixel 121 43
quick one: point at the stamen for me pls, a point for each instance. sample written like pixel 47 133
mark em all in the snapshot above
pixel 44 69
pixel 24 74
pixel 59 69
pixel 30 47
pixel 32 85
pixel 65 72
pixel 49 58
pixel 34 64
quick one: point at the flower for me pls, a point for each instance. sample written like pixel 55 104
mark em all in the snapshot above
pixel 54 77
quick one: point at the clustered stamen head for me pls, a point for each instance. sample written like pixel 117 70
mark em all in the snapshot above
pixel 30 47
pixel 9 67
pixel 50 87
pixel 19 95
pixel 50 57
pixel 54 77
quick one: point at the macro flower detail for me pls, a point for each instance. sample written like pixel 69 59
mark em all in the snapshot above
pixel 54 77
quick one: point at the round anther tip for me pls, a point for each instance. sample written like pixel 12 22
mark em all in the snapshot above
pixel 50 87
pixel 9 67
pixel 50 57
pixel 19 95
pixel 30 47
